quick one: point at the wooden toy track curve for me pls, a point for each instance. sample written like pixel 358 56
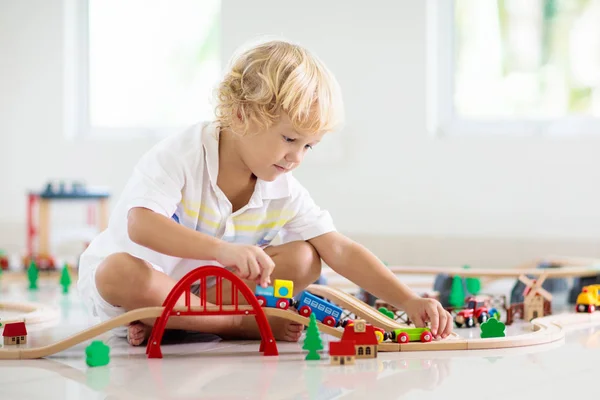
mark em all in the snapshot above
pixel 35 313
pixel 545 330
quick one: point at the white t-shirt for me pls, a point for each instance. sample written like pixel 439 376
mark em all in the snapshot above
pixel 178 178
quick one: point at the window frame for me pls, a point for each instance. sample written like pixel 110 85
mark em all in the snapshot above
pixel 77 123
pixel 442 120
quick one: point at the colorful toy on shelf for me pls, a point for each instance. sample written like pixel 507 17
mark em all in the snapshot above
pixel 476 309
pixel 364 338
pixel 588 300
pixel 492 328
pixel 65 278
pixel 4 264
pixel 278 295
pixel 15 333
pixel 406 335
pixel 97 354
pixel 537 300
pixel 312 341
pixel 342 352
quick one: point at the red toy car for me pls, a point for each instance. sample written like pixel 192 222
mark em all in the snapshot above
pixel 476 308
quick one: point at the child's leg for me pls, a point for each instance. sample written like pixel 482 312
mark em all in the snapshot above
pixel 119 273
pixel 130 283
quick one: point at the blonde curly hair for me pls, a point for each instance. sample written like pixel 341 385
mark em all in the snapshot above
pixel 278 76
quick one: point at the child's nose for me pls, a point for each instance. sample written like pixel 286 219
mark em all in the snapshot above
pixel 294 156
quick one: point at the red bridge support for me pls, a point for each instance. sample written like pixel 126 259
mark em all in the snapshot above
pixel 268 345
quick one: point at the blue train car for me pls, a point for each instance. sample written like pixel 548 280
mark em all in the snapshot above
pixel 266 298
pixel 325 312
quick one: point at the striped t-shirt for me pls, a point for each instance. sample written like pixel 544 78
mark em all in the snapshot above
pixel 178 178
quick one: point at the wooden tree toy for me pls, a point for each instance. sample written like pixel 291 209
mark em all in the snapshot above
pixel 97 354
pixel 536 298
pixel 473 284
pixel 457 293
pixel 313 342
pixel 32 275
pixel 65 278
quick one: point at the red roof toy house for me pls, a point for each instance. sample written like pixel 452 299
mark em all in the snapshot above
pixel 364 337
pixel 342 353
pixel 15 333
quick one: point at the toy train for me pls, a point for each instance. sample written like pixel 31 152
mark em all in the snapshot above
pixel 280 295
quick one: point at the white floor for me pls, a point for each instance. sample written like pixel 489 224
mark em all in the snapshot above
pixel 203 367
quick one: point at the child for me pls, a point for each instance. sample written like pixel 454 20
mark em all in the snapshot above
pixel 220 192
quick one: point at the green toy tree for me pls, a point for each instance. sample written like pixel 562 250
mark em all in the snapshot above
pixel 386 312
pixel 492 328
pixel 457 293
pixel 473 284
pixel 32 275
pixel 313 342
pixel 65 279
pixel 97 354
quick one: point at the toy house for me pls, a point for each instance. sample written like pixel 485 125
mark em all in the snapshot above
pixel 15 333
pixel 342 353
pixel 537 300
pixel 363 336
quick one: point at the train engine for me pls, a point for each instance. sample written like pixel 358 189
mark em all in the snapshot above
pixel 278 295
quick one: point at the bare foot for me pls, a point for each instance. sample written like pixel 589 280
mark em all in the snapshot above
pixel 137 333
pixel 282 329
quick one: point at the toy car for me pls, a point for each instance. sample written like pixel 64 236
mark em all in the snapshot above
pixel 476 308
pixel 405 335
pixel 588 300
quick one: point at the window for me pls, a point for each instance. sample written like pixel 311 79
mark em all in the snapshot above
pixel 513 66
pixel 144 66
pixel 368 351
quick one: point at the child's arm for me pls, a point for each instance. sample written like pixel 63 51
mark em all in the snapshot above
pixel 359 265
pixel 159 233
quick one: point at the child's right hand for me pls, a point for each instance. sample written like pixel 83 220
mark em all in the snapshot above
pixel 251 262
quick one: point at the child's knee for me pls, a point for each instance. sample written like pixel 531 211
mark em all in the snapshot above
pixel 307 261
pixel 120 270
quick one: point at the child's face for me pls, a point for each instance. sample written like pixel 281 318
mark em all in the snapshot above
pixel 277 150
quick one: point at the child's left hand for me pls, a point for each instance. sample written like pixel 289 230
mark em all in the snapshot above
pixel 421 311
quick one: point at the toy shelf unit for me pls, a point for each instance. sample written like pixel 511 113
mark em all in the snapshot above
pixel 39 221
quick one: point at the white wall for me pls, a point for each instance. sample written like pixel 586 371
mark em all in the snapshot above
pixel 395 183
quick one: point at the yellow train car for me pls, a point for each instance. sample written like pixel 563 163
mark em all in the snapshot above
pixel 588 300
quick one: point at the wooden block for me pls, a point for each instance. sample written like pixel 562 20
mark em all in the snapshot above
pixel 388 347
pixel 454 344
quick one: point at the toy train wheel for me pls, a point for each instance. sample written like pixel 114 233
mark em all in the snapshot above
pixel 591 308
pixel 261 301
pixel 426 337
pixel 329 320
pixel 469 322
pixel 283 304
pixel 379 336
pixel 403 337
pixel 305 311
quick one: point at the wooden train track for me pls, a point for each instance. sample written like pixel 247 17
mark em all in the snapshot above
pixel 545 330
